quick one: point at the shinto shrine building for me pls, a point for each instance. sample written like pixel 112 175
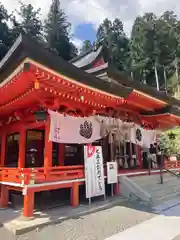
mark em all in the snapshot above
pixel 32 80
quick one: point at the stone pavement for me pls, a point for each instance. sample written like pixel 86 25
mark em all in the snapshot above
pixel 14 222
pixel 95 226
pixel 165 226
pixel 114 220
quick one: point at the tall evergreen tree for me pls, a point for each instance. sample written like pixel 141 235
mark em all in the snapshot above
pixel 153 47
pixel 111 35
pixel 87 45
pixel 29 22
pixel 57 31
pixel 5 33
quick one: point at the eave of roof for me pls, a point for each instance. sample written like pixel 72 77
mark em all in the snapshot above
pixel 166 110
pixel 26 47
pixel 141 88
pixel 29 48
pixel 138 87
pixel 87 59
pixel 80 56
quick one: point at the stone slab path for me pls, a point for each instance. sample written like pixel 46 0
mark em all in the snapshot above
pixel 165 226
pixel 95 226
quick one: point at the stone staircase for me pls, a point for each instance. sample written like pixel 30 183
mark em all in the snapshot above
pixel 160 193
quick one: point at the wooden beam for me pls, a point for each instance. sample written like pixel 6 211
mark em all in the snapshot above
pixel 27 123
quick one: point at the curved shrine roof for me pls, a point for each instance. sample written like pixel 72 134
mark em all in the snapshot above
pixel 26 47
pixel 86 59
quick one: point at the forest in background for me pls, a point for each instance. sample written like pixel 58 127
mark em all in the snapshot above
pixel 150 55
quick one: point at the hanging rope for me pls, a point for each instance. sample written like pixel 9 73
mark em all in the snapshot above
pixel 116 130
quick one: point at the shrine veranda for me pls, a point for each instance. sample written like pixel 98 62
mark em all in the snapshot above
pixel 34 80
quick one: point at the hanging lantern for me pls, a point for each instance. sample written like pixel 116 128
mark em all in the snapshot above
pixel 41 115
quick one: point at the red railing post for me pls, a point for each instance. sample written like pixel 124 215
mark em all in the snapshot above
pixel 4 196
pixel 75 194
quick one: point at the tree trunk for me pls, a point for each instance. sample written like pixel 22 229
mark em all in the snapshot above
pixel 132 75
pixel 144 77
pixel 165 80
pixel 176 67
pixel 156 76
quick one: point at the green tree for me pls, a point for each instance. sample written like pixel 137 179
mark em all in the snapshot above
pixel 57 32
pixel 87 45
pixel 144 50
pixel 73 51
pixel 168 144
pixel 111 35
pixel 5 33
pixel 154 47
pixel 29 22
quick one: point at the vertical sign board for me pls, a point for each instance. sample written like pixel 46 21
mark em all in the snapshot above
pixel 94 171
pixel 112 176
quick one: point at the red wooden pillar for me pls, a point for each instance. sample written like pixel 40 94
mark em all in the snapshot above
pixel 4 196
pixel 3 149
pixel 75 194
pixel 48 148
pixel 61 154
pixel 29 203
pixel 22 149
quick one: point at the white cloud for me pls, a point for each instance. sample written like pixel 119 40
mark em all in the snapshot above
pixel 95 11
pixel 77 42
pixel 14 4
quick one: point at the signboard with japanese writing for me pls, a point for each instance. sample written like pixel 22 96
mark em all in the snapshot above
pixel 112 176
pixel 94 171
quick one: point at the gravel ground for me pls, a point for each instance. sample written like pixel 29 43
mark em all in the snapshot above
pixel 96 226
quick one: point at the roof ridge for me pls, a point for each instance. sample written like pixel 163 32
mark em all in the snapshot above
pixel 94 49
pixel 11 50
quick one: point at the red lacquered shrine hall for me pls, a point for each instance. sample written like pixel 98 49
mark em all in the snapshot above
pixel 32 80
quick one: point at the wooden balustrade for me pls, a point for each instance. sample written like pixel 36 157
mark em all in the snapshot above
pixel 26 176
pixel 172 164
pixel 10 175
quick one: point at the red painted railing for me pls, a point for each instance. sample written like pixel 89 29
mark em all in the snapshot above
pixel 38 175
pixel 10 175
pixel 172 164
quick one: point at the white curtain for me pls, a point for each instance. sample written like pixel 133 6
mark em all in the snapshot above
pixel 142 137
pixel 68 129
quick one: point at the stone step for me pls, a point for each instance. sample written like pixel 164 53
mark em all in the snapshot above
pixel 166 198
pixel 150 179
pixel 160 189
pixel 146 180
pixel 160 193
pixel 162 196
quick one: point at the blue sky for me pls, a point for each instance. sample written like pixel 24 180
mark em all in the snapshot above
pixel 86 15
pixel 85 31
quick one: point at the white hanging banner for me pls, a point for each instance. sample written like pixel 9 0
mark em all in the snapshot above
pixel 112 176
pixel 68 129
pixel 94 171
pixel 142 137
